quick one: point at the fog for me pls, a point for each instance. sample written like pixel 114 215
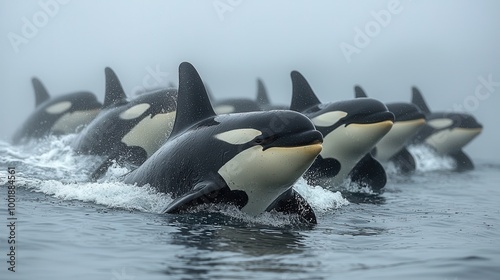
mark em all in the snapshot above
pixel 449 49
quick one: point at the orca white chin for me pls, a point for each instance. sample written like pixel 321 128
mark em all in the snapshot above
pixel 348 144
pixel 397 137
pixel 69 122
pixel 450 141
pixel 266 174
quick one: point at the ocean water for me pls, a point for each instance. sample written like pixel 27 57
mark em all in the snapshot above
pixel 434 224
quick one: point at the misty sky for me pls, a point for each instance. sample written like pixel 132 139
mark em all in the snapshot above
pixel 446 48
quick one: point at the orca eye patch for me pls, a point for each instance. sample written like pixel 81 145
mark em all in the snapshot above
pixel 440 123
pixel 238 136
pixel 328 119
pixel 58 107
pixel 134 112
pixel 224 109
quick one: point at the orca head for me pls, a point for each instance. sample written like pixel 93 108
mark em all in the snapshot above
pixel 147 119
pixel 450 132
pixel 133 128
pixel 265 153
pixel 75 109
pixel 71 111
pixel 408 119
pixel 63 114
pixel 447 132
pixel 257 156
pixel 350 128
pixel 150 117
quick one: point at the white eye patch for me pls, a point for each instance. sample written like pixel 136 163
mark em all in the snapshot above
pixel 238 136
pixel 134 111
pixel 328 119
pixel 58 107
pixel 224 109
pixel 440 123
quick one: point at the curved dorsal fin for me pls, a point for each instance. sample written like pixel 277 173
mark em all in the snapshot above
pixel 418 100
pixel 262 97
pixel 41 94
pixel 303 96
pixel 193 104
pixel 359 92
pixel 114 93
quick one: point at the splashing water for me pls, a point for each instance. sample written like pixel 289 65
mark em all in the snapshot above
pixel 427 159
pixel 51 167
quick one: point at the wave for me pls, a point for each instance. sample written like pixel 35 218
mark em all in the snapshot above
pixel 51 167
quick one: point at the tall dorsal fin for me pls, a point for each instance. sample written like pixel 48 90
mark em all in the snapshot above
pixel 418 100
pixel 193 104
pixel 262 97
pixel 114 93
pixel 359 92
pixel 303 96
pixel 41 94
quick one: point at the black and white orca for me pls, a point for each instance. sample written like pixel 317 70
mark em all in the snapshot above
pixel 59 115
pixel 350 129
pixel 408 119
pixel 128 130
pixel 249 160
pixel 241 105
pixel 447 132
pixel 235 105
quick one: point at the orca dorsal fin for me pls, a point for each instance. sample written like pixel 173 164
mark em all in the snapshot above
pixel 193 104
pixel 262 97
pixel 359 92
pixel 418 100
pixel 41 94
pixel 209 92
pixel 303 96
pixel 114 93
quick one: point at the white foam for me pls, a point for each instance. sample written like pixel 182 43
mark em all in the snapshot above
pixel 51 167
pixel 110 194
pixel 320 199
pixel 427 159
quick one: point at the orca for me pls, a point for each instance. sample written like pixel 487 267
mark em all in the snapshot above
pixel 249 160
pixel 59 115
pixel 350 128
pixel 241 105
pixel 127 131
pixel 235 105
pixel 447 132
pixel 408 119
pixel 263 98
